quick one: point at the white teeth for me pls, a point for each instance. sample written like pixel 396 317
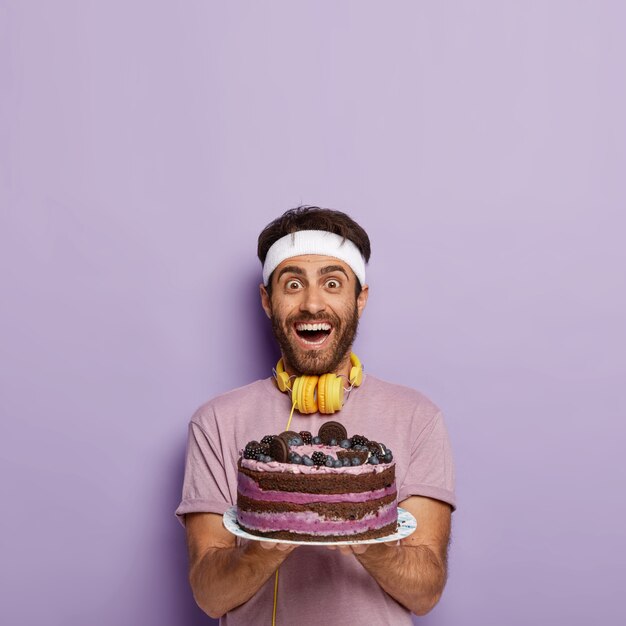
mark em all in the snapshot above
pixel 322 326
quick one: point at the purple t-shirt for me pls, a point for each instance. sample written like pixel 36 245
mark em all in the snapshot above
pixel 317 584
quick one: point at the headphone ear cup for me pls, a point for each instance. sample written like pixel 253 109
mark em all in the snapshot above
pixel 329 393
pixel 322 394
pixel 303 394
pixel 335 392
pixel 356 371
pixel 282 380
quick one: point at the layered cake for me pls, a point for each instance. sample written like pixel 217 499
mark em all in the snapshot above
pixel 328 487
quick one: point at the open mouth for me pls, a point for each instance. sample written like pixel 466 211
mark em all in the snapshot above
pixel 313 334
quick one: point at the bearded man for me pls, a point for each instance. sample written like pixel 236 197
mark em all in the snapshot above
pixel 314 292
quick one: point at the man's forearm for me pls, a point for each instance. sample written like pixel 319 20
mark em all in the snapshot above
pixel 412 575
pixel 224 578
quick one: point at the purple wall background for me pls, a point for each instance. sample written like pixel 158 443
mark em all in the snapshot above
pixel 142 148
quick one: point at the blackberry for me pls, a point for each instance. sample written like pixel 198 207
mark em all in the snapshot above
pixel 253 450
pixel 268 439
pixel 374 447
pixel 318 458
pixel 306 437
pixel 359 440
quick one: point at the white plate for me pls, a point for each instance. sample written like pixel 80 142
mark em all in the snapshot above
pixel 406 525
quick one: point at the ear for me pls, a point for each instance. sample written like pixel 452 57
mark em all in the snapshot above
pixel 361 300
pixel 265 300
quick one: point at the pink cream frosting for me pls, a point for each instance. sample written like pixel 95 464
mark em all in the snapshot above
pixel 311 523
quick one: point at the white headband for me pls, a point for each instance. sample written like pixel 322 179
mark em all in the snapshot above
pixel 314 242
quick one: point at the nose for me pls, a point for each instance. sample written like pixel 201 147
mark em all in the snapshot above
pixel 312 300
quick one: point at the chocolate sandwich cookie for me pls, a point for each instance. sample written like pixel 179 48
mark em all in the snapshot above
pixel 330 431
pixel 279 450
pixel 288 435
pixel 362 455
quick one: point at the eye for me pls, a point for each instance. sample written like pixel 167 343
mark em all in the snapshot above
pixel 293 285
pixel 333 283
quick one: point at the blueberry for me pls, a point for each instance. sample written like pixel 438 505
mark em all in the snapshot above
pixel 265 459
pixel 345 461
pixel 332 442
pixel 306 460
pixel 316 441
pixel 388 457
pixel 330 462
pixel 296 458
pixel 337 463
pixel 355 460
pixel 345 444
pixel 296 441
pixel 373 460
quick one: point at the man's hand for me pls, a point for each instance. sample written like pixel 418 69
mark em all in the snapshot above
pixel 360 548
pixel 222 574
pixel 414 570
pixel 273 545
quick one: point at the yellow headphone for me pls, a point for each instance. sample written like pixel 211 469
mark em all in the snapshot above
pixel 324 393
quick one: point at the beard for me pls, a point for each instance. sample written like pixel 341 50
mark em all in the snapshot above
pixel 317 362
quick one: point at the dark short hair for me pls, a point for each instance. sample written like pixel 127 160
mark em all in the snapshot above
pixel 313 218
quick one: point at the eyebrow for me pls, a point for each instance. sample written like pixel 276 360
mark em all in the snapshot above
pixel 293 269
pixel 334 268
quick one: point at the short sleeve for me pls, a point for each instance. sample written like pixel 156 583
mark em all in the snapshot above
pixel 431 468
pixel 205 486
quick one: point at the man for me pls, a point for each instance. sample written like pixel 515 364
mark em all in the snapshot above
pixel 314 292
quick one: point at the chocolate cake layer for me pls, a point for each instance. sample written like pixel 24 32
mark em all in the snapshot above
pixel 338 510
pixel 384 531
pixel 322 483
